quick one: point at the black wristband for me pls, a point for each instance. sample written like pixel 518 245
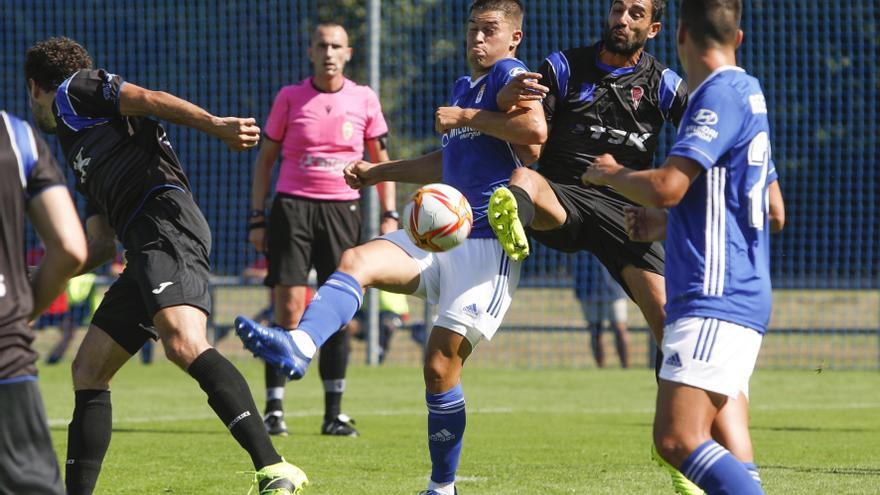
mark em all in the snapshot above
pixel 257 225
pixel 256 213
pixel 391 214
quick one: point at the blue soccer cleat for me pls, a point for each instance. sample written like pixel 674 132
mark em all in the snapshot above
pixel 274 346
pixel 432 492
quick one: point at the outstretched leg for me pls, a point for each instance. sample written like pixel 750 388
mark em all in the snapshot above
pixel 183 332
pixel 379 263
pixel 527 202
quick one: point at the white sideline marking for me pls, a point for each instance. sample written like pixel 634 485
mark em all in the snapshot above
pixel 486 410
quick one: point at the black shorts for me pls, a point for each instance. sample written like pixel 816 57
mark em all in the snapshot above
pixel 595 223
pixel 167 249
pixel 306 232
pixel 27 459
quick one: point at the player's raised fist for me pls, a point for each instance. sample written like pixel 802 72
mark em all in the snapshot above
pixel 239 134
pixel 597 173
pixel 522 87
pixel 645 224
pixel 446 118
pixel 358 174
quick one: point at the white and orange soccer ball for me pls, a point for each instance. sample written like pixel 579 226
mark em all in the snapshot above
pixel 438 218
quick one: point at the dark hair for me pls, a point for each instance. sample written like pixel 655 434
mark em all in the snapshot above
pixel 52 61
pixel 709 21
pixel 658 8
pixel 512 9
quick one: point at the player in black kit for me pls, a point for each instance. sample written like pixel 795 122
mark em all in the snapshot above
pixel 136 192
pixel 610 97
pixel 30 184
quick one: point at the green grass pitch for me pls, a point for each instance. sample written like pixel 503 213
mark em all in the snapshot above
pixel 529 432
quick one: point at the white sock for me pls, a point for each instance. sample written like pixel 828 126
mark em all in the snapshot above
pixel 275 393
pixel 305 343
pixel 442 488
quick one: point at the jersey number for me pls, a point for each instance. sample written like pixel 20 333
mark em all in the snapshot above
pixel 759 156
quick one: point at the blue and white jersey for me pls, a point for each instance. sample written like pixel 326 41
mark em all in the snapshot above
pixel 717 241
pixel 475 163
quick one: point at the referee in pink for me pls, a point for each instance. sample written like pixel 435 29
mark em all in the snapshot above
pixel 318 126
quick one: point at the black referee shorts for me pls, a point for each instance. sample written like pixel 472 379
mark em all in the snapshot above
pixel 304 233
pixel 596 224
pixel 167 249
pixel 27 461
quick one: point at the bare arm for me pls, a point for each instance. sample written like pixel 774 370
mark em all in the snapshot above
pixel 239 134
pixel 387 190
pixel 659 188
pixel 54 217
pixel 777 208
pixel 423 170
pixel 266 158
pixel 102 243
pixel 523 124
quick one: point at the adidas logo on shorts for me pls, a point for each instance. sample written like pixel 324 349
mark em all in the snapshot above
pixel 674 360
pixel 470 309
pixel 442 436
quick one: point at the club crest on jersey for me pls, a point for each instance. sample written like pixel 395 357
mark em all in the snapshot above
pixel 637 93
pixel 347 130
pixel 480 94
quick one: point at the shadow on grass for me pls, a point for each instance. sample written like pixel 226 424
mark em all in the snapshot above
pixel 158 431
pixel 846 471
pixel 812 429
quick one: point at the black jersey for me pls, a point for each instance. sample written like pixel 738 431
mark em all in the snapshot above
pixel 118 160
pixel 26 168
pixel 594 108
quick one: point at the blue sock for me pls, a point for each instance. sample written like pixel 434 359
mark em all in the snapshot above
pixel 446 420
pixel 332 307
pixel 717 471
pixel 753 470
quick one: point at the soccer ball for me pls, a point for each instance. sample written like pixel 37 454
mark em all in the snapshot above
pixel 438 218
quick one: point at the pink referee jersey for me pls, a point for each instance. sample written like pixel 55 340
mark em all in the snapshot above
pixel 319 134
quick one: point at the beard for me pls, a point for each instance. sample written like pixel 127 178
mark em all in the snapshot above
pixel 626 48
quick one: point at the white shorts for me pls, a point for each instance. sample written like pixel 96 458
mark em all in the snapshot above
pixel 710 354
pixel 472 285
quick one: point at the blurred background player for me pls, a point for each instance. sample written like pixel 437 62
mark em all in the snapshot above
pixel 393 314
pixel 602 301
pixel 317 126
pixel 472 284
pixel 30 184
pixel 717 181
pixel 68 311
pixel 136 191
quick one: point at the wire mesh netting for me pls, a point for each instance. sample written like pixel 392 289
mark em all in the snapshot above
pixel 815 59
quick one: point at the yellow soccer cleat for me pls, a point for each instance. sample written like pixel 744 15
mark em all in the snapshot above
pixel 504 220
pixel 282 478
pixel 680 483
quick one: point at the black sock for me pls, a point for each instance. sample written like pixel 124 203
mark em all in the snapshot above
pixel 230 397
pixel 88 437
pixel 524 204
pixel 274 380
pixel 333 363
